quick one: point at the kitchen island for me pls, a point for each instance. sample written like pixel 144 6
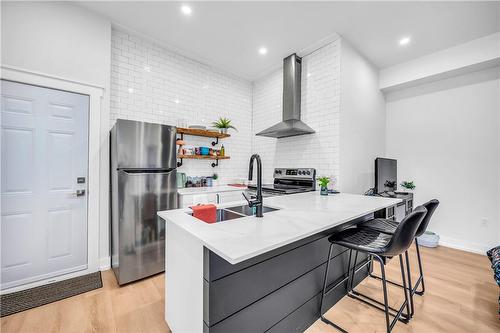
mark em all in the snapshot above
pixel 249 274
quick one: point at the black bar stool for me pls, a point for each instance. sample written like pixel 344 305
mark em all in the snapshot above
pixel 389 227
pixel 380 246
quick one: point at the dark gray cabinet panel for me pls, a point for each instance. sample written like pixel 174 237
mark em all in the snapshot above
pixel 226 296
pixel 270 310
pixel 308 313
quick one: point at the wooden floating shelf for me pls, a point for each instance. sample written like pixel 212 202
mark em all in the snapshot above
pixel 204 157
pixel 202 132
pixel 206 133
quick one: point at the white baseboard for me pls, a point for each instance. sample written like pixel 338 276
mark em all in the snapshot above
pixel 463 245
pixel 104 263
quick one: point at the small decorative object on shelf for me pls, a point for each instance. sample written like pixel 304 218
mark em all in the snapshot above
pixel 210 181
pixel 215 179
pixel 200 152
pixel 410 186
pixel 180 143
pixel 323 183
pixel 223 124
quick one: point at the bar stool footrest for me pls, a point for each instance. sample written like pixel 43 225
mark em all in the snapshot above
pixel 413 291
pixel 363 298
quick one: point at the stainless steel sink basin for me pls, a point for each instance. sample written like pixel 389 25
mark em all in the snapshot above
pixel 225 215
pixel 248 211
pixel 236 212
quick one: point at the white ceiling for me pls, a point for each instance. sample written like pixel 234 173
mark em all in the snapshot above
pixel 228 34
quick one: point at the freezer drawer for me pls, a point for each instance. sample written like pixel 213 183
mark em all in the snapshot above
pixel 138 248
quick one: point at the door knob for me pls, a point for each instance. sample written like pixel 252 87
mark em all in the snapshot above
pixel 79 193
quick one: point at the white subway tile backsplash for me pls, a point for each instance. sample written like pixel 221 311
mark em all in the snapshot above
pixel 320 110
pixel 153 84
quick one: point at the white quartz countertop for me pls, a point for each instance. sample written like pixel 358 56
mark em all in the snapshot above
pixel 299 216
pixel 211 189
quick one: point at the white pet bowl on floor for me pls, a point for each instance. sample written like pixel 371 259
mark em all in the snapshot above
pixel 428 239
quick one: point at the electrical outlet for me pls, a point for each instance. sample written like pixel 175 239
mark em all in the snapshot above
pixel 484 222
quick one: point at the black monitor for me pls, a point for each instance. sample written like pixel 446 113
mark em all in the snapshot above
pixel 386 175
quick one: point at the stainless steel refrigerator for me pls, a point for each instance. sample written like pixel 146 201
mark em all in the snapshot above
pixel 143 182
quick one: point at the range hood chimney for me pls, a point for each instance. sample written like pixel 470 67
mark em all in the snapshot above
pixel 291 124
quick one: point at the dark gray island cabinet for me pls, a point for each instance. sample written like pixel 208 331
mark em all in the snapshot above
pixel 276 290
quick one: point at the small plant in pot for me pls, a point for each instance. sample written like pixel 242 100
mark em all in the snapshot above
pixel 323 183
pixel 223 124
pixel 408 185
pixel 215 179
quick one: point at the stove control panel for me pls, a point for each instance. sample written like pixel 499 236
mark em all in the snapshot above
pixel 307 173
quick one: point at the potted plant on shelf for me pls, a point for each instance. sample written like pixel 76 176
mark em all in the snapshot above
pixel 215 179
pixel 223 124
pixel 408 185
pixel 323 183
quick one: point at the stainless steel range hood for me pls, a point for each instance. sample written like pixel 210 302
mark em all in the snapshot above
pixel 291 124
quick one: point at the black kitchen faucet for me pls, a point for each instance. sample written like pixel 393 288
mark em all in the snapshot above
pixel 256 201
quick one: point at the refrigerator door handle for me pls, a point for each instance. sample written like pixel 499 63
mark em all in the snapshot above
pixel 146 172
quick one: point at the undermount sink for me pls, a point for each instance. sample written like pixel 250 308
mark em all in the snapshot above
pixel 236 212
pixel 225 215
pixel 248 211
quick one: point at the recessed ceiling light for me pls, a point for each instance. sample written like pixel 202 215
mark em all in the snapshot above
pixel 404 41
pixel 131 90
pixel 186 10
pixel 263 51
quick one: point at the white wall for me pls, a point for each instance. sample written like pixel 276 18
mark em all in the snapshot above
pixel 445 136
pixel 167 87
pixel 68 42
pixel 320 110
pixel 362 121
pixel 59 39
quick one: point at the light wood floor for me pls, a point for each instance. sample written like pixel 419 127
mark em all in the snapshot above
pixel 461 296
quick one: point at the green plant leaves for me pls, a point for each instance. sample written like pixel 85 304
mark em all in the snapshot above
pixel 410 185
pixel 223 123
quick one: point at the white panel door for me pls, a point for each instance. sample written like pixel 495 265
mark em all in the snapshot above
pixel 44 159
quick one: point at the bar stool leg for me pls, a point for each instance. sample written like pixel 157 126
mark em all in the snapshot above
pixel 409 312
pixel 409 284
pixel 384 287
pixel 325 283
pixel 421 278
pixel 370 269
pixel 351 285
